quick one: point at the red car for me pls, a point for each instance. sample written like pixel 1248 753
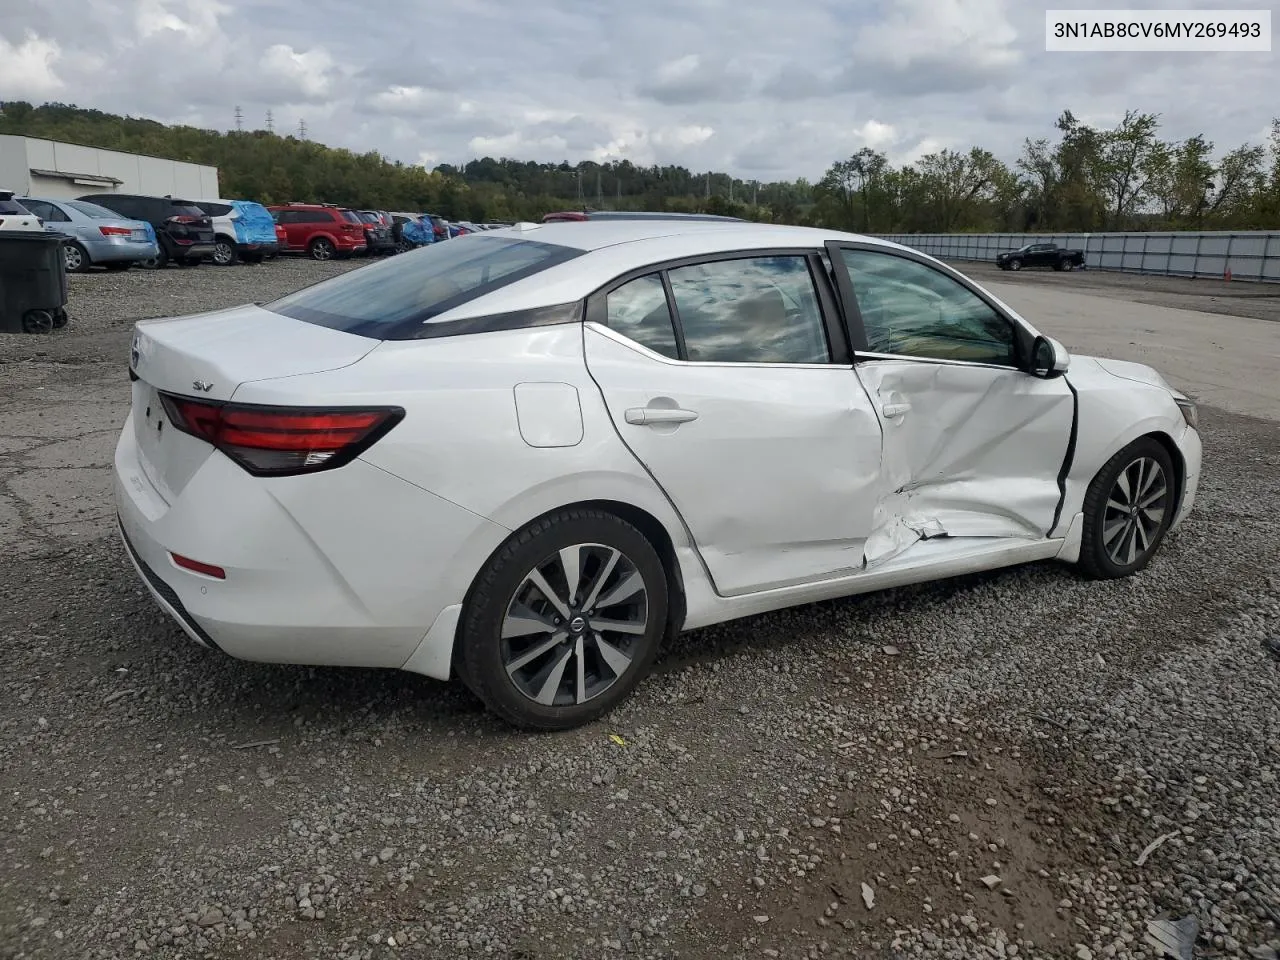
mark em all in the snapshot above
pixel 320 230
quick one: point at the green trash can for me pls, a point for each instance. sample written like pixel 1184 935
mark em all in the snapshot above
pixel 33 281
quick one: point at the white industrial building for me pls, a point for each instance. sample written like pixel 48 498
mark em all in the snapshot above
pixel 63 171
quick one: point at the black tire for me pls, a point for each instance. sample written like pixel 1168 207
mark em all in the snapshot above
pixel 1068 265
pixel 158 262
pixel 1015 264
pixel 224 252
pixel 1102 516
pixel 321 248
pixel 38 321
pixel 60 318
pixel 483 667
pixel 76 258
pixel 118 266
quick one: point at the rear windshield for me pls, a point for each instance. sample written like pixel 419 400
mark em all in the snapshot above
pixel 370 218
pixel 12 206
pixel 91 209
pixel 214 209
pixel 181 208
pixel 351 216
pixel 391 299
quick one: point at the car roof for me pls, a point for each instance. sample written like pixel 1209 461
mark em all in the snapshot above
pixel 615 247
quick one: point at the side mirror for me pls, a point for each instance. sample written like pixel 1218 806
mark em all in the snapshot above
pixel 1049 358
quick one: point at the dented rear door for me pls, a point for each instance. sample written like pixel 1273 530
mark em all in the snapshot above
pixel 973 445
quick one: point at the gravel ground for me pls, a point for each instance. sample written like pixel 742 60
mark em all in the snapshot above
pixel 964 769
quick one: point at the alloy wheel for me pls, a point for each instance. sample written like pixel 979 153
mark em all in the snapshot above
pixel 1134 511
pixel 223 254
pixel 73 257
pixel 321 250
pixel 572 625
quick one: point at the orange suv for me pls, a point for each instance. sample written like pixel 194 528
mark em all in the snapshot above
pixel 320 230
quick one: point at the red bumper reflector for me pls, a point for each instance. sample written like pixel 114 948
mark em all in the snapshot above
pixel 195 566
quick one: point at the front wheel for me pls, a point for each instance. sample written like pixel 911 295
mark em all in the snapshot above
pixel 564 620
pixel 1127 510
pixel 1068 265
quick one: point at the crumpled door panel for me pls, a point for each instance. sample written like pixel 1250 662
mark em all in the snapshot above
pixel 968 451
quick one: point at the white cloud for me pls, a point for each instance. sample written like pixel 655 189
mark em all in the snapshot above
pixel 762 89
pixel 27 68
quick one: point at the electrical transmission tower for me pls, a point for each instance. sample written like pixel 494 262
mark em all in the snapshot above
pixel 239 118
pixel 302 129
pixel 271 124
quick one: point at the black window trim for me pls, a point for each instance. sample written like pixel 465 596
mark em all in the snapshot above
pixel 837 343
pixel 1023 339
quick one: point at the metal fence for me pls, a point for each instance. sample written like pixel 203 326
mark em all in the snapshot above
pixel 1253 255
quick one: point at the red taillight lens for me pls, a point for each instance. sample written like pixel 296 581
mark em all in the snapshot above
pixel 197 566
pixel 281 441
pixel 115 231
pixel 185 218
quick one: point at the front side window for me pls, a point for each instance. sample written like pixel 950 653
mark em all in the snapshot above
pixel 638 310
pixel 910 309
pixel 750 310
pixel 392 299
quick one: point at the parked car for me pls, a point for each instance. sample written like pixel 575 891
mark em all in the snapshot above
pixel 184 231
pixel 15 216
pixel 439 226
pixel 377 232
pixel 529 458
pixel 99 237
pixel 242 229
pixel 410 230
pixel 1040 255
pixel 577 216
pixel 320 230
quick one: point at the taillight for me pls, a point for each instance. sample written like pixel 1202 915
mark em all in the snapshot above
pixel 185 218
pixel 282 441
pixel 115 231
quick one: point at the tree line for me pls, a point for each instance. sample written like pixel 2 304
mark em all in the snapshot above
pixel 1083 179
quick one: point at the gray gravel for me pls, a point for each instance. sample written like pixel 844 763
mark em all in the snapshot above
pixel 983 760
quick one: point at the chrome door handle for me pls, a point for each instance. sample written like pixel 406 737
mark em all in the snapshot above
pixel 895 409
pixel 642 416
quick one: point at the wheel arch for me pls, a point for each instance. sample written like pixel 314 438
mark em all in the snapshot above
pixel 1179 465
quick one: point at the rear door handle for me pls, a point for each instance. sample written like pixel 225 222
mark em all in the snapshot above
pixel 642 416
pixel 895 409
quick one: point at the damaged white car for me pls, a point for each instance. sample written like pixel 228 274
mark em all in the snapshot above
pixel 525 457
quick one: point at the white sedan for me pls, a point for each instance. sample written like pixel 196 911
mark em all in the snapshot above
pixel 527 457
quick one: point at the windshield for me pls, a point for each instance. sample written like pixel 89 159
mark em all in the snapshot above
pixel 91 209
pixel 392 299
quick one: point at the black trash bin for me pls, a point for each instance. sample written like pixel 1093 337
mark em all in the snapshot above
pixel 33 281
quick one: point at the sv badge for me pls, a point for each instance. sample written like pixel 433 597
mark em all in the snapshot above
pixel 202 386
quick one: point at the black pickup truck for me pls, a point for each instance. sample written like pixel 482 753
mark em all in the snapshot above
pixel 1041 255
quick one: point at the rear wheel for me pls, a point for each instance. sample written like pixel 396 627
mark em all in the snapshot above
pixel 75 257
pixel 224 252
pixel 1015 264
pixel 321 249
pixel 564 620
pixel 156 262
pixel 1127 510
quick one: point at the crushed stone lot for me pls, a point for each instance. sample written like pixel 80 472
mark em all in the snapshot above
pixel 1018 764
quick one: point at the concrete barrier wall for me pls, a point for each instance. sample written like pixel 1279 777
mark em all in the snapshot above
pixel 1249 255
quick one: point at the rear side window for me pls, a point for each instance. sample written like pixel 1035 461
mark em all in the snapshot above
pixel 638 310
pixel 392 299
pixel 752 310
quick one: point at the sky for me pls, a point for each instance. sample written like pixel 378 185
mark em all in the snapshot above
pixel 764 89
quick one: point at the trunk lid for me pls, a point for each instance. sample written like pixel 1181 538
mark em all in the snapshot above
pixel 208 356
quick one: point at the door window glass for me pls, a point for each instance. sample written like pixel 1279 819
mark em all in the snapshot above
pixel 750 310
pixel 910 309
pixel 638 310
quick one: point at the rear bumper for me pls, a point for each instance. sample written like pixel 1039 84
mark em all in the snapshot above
pixel 116 249
pixel 348 567
pixel 193 251
pixel 266 249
